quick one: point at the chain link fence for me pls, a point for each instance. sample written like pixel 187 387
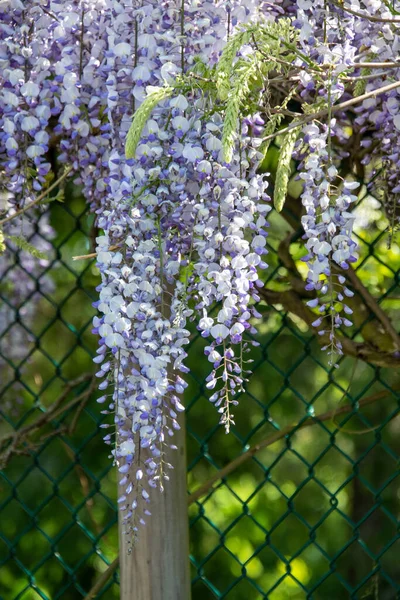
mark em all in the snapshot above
pixel 312 515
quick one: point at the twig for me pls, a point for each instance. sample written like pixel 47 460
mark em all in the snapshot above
pixel 286 431
pixel 335 108
pixel 199 78
pixel 363 15
pixel 74 401
pixel 78 413
pixel 364 77
pixel 102 580
pixel 94 254
pixel 377 65
pixel 278 111
pixel 81 38
pixel 30 446
pixel 373 306
pixel 83 480
pixel 369 65
pixel 21 436
pixel 52 410
pixel 38 199
pixel 294 277
pixel 292 302
pixel 48 12
pixel 237 462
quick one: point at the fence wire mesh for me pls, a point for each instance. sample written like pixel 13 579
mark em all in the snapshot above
pixel 312 515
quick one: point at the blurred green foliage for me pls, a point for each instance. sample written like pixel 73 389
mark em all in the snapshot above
pixel 314 515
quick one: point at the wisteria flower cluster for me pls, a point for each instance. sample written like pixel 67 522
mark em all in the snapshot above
pixel 163 111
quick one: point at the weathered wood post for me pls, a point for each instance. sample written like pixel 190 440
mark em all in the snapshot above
pixel 158 567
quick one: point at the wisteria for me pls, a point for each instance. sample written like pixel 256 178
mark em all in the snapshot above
pixel 178 195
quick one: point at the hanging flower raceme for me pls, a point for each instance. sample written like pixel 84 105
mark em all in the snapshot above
pixel 25 99
pixel 328 225
pixel 149 217
pixel 230 250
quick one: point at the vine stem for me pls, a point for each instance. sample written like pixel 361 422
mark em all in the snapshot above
pixel 160 249
pixel 377 65
pixel 373 305
pixel 237 462
pixel 135 61
pixel 334 108
pixel 102 580
pixel 363 15
pixel 81 47
pixel 94 254
pixel 37 200
pixel 10 442
pixel 182 18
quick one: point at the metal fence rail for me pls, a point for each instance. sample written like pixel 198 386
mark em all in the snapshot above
pixel 315 514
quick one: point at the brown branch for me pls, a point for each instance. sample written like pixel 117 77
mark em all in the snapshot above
pixel 53 408
pixel 377 65
pixel 363 77
pixel 78 413
pixel 333 109
pixel 286 431
pixel 30 446
pixel 285 256
pixel 364 15
pixel 94 254
pixel 81 40
pixel 38 199
pixel 21 436
pixel 295 279
pixel 84 482
pixel 373 305
pixel 48 12
pixel 102 580
pixel 291 302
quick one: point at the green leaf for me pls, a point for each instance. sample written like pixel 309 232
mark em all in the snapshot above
pixel 270 128
pixel 225 63
pixel 2 244
pixel 22 244
pixel 237 96
pixel 186 272
pixel 283 170
pixel 141 117
pixel 240 81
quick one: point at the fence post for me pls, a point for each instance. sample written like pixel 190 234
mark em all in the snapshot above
pixel 158 568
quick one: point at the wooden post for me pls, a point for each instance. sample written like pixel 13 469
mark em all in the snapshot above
pixel 158 568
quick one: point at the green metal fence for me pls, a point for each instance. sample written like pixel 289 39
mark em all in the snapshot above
pixel 314 514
